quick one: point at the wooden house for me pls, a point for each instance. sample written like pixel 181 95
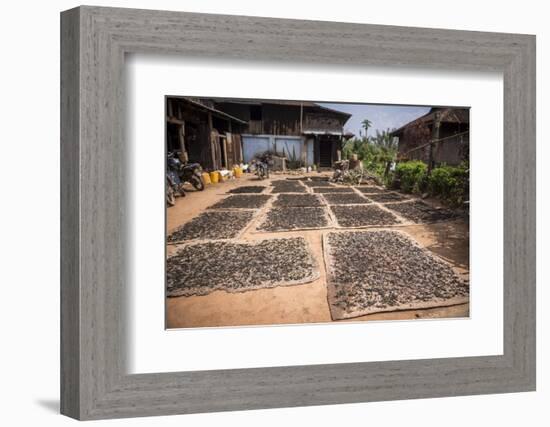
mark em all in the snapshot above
pixel 203 134
pixel 304 132
pixel 442 136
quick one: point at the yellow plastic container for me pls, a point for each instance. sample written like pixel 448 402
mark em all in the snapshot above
pixel 237 171
pixel 214 177
pixel 206 178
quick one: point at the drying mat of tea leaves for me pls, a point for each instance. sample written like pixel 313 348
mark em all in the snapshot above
pixel 315 178
pixel 297 200
pixel 345 199
pixel 333 190
pixel 362 216
pixel 212 225
pixel 285 186
pixel 201 268
pixel 289 219
pixel 418 211
pixel 242 201
pixel 369 189
pixel 387 197
pixel 247 189
pixel 377 271
pixel 317 183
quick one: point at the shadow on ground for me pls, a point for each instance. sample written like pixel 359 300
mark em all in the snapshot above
pixel 52 405
pixel 450 242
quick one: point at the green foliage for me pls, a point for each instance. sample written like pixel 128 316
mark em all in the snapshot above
pixel 384 139
pixel 375 153
pixel 293 161
pixel 411 176
pixel 450 183
pixel 366 125
pixel 353 146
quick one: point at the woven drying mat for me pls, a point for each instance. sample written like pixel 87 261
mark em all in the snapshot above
pixel 333 190
pixel 370 189
pixel 209 225
pixel 420 212
pixel 352 216
pixel 247 189
pixel 377 271
pixel 292 218
pixel 201 268
pixel 298 200
pixel 285 186
pixel 345 199
pixel 242 201
pixel 318 183
pixel 386 197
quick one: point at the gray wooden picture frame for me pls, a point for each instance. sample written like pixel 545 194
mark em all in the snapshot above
pixel 94 382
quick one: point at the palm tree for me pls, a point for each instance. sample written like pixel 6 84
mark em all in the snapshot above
pixel 366 124
pixel 384 139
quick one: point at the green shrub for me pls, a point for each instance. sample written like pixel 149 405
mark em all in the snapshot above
pixel 411 176
pixel 450 184
pixel 375 168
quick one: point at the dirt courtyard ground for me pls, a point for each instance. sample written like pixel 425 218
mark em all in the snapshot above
pixel 302 303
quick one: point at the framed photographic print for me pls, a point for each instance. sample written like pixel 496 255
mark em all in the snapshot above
pixel 261 213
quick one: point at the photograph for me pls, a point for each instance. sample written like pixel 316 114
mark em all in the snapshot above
pixel 293 212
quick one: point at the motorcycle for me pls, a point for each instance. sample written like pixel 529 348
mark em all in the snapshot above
pixel 174 187
pixel 188 172
pixel 192 173
pixel 261 167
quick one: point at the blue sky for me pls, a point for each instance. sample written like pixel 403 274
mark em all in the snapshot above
pixel 381 116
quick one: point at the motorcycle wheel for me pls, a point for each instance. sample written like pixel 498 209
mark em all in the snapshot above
pixel 197 182
pixel 170 196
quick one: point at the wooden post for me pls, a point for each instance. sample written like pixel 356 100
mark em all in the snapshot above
pixel 316 152
pixel 224 159
pixel 340 147
pixel 435 137
pixel 214 149
pixel 303 150
pixel 301 117
pixel 184 155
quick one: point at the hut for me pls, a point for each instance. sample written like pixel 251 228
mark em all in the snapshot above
pixel 203 134
pixel 442 136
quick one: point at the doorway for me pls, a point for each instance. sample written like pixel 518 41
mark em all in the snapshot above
pixel 325 154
